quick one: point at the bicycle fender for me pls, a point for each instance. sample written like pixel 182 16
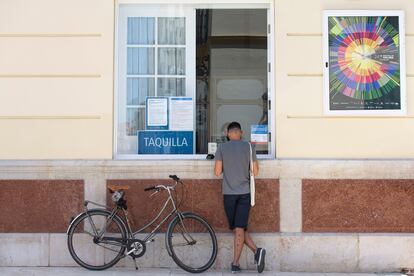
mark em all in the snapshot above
pixel 73 219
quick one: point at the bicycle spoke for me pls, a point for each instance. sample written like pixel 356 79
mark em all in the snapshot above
pixel 108 248
pixel 184 232
pixel 180 244
pixel 110 243
pixel 197 241
pixel 90 234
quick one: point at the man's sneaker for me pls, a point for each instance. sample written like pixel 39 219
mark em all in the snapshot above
pixel 259 259
pixel 235 268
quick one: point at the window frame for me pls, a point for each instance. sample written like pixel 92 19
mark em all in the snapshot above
pixel 264 4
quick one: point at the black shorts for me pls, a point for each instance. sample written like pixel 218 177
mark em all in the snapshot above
pixel 237 209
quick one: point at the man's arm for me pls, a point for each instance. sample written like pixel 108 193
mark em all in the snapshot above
pixel 218 167
pixel 255 168
pixel 255 162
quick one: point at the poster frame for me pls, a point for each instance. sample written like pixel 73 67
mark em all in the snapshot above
pixel 326 64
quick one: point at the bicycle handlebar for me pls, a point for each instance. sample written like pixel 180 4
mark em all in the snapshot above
pixel 150 188
pixel 173 177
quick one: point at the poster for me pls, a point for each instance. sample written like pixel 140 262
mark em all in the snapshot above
pixel 364 62
pixel 181 113
pixel 157 113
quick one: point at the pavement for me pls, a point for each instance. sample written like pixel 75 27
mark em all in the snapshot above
pixel 77 271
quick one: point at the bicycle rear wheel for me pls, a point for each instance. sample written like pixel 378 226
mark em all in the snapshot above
pixel 92 250
pixel 192 243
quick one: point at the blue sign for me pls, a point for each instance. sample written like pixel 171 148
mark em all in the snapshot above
pixel 259 129
pixel 165 142
pixel 258 134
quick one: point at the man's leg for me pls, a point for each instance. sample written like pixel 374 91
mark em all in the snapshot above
pixel 240 222
pixel 230 202
pixel 238 244
pixel 259 253
pixel 249 242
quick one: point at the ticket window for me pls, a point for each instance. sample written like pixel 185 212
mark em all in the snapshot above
pixel 187 72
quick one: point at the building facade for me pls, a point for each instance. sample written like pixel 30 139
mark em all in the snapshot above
pixel 78 81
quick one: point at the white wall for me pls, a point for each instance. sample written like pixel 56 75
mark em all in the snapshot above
pixel 302 131
pixel 56 79
pixel 56 82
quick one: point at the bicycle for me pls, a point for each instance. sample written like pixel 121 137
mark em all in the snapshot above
pixel 104 228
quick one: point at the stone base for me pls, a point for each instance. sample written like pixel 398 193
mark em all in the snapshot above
pixel 285 252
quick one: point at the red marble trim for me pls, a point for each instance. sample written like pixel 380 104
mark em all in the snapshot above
pixel 343 205
pixel 39 206
pixel 203 196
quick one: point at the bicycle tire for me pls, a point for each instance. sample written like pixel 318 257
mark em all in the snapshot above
pixel 202 230
pixel 76 230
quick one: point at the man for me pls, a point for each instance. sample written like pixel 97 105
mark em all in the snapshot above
pixel 233 160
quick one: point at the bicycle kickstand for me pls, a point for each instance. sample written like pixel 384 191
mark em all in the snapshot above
pixel 135 262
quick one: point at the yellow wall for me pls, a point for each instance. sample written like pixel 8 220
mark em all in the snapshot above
pixel 56 79
pixel 302 129
pixel 56 83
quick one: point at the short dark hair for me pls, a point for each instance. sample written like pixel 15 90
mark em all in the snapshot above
pixel 233 125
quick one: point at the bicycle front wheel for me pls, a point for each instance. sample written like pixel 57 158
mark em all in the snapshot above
pixel 192 243
pixel 96 242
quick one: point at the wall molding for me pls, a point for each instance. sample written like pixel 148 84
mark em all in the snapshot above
pixel 55 117
pixel 346 117
pixel 50 76
pixel 321 75
pixel 46 35
pixel 284 168
pixel 320 34
pixel 305 75
pixel 304 34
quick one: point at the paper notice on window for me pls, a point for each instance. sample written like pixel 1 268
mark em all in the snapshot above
pixel 212 148
pixel 181 113
pixel 157 112
pixel 259 134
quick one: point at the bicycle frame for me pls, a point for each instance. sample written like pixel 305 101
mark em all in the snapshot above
pixel 155 230
pixel 130 233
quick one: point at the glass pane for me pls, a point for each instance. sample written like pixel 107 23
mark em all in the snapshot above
pixel 171 61
pixel 241 89
pixel 138 89
pixel 171 31
pixel 244 114
pixel 141 30
pixel 135 120
pixel 140 61
pixel 171 87
pixel 231 68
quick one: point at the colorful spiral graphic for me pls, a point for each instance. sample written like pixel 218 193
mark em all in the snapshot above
pixel 363 56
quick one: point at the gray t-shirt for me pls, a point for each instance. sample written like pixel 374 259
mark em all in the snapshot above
pixel 235 155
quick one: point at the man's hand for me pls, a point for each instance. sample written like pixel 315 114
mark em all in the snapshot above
pixel 218 167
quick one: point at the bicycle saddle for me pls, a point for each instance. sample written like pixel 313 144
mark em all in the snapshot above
pixel 114 188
